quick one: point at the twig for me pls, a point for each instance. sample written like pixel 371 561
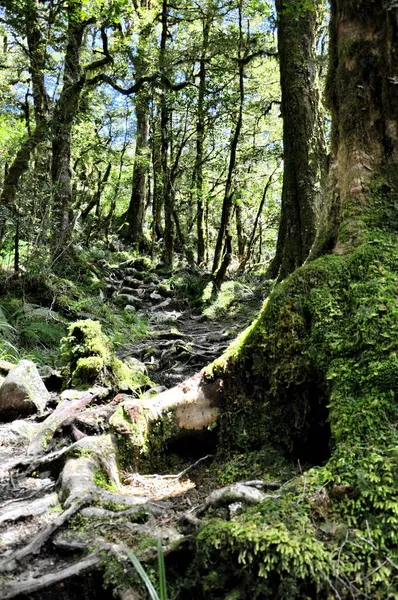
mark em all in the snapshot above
pixel 182 472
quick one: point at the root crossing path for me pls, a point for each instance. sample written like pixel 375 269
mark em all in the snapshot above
pixel 67 509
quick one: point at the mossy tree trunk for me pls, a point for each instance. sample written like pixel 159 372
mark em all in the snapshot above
pixel 362 92
pixel 64 115
pixel 316 374
pixel 303 135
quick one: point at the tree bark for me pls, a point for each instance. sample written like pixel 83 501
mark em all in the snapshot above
pixel 363 98
pixel 303 136
pixel 136 210
pixel 20 164
pixel 168 199
pixel 221 262
pixel 64 115
pixel 200 136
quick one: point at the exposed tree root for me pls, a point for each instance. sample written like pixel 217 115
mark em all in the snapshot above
pixel 64 411
pixel 28 508
pixel 9 563
pixel 35 584
pixel 186 408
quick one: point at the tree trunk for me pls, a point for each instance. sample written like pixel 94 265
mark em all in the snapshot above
pixel 200 135
pixel 303 137
pixel 168 199
pixel 136 210
pixel 224 231
pixel 20 164
pixel 315 372
pixel 157 206
pixel 64 115
pixel 363 98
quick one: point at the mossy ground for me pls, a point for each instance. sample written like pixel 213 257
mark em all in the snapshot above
pixel 37 306
pixel 324 347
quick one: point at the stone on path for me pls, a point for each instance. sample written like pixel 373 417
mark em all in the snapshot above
pixel 23 390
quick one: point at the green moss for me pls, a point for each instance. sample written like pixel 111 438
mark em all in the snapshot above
pixel 143 440
pixel 325 345
pixel 87 370
pixel 89 354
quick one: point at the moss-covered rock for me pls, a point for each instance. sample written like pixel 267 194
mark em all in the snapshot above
pixel 90 359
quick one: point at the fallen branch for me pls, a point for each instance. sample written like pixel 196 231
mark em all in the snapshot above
pixel 179 475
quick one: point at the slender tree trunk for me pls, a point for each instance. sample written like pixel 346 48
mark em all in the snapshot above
pixel 136 210
pixel 64 115
pixel 200 136
pixel 303 137
pixel 240 232
pixel 157 206
pixel 168 199
pixel 20 164
pixel 224 232
pixel 251 242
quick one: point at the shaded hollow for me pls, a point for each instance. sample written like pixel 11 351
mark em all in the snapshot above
pixel 195 444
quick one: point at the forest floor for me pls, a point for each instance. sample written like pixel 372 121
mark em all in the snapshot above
pixel 45 539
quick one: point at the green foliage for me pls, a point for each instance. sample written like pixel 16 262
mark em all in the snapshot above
pixel 143 575
pixel 29 331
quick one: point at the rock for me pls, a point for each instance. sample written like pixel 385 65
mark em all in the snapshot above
pixel 24 430
pixel 131 282
pixel 128 290
pixel 135 364
pixel 155 296
pixel 129 299
pixel 23 390
pixel 152 278
pixel 129 308
pixel 162 305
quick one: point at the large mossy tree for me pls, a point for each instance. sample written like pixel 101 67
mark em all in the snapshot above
pixel 316 373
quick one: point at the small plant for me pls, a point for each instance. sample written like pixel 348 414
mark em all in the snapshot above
pixel 162 595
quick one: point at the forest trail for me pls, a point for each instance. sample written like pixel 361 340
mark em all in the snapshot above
pixel 43 549
pixel 181 339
